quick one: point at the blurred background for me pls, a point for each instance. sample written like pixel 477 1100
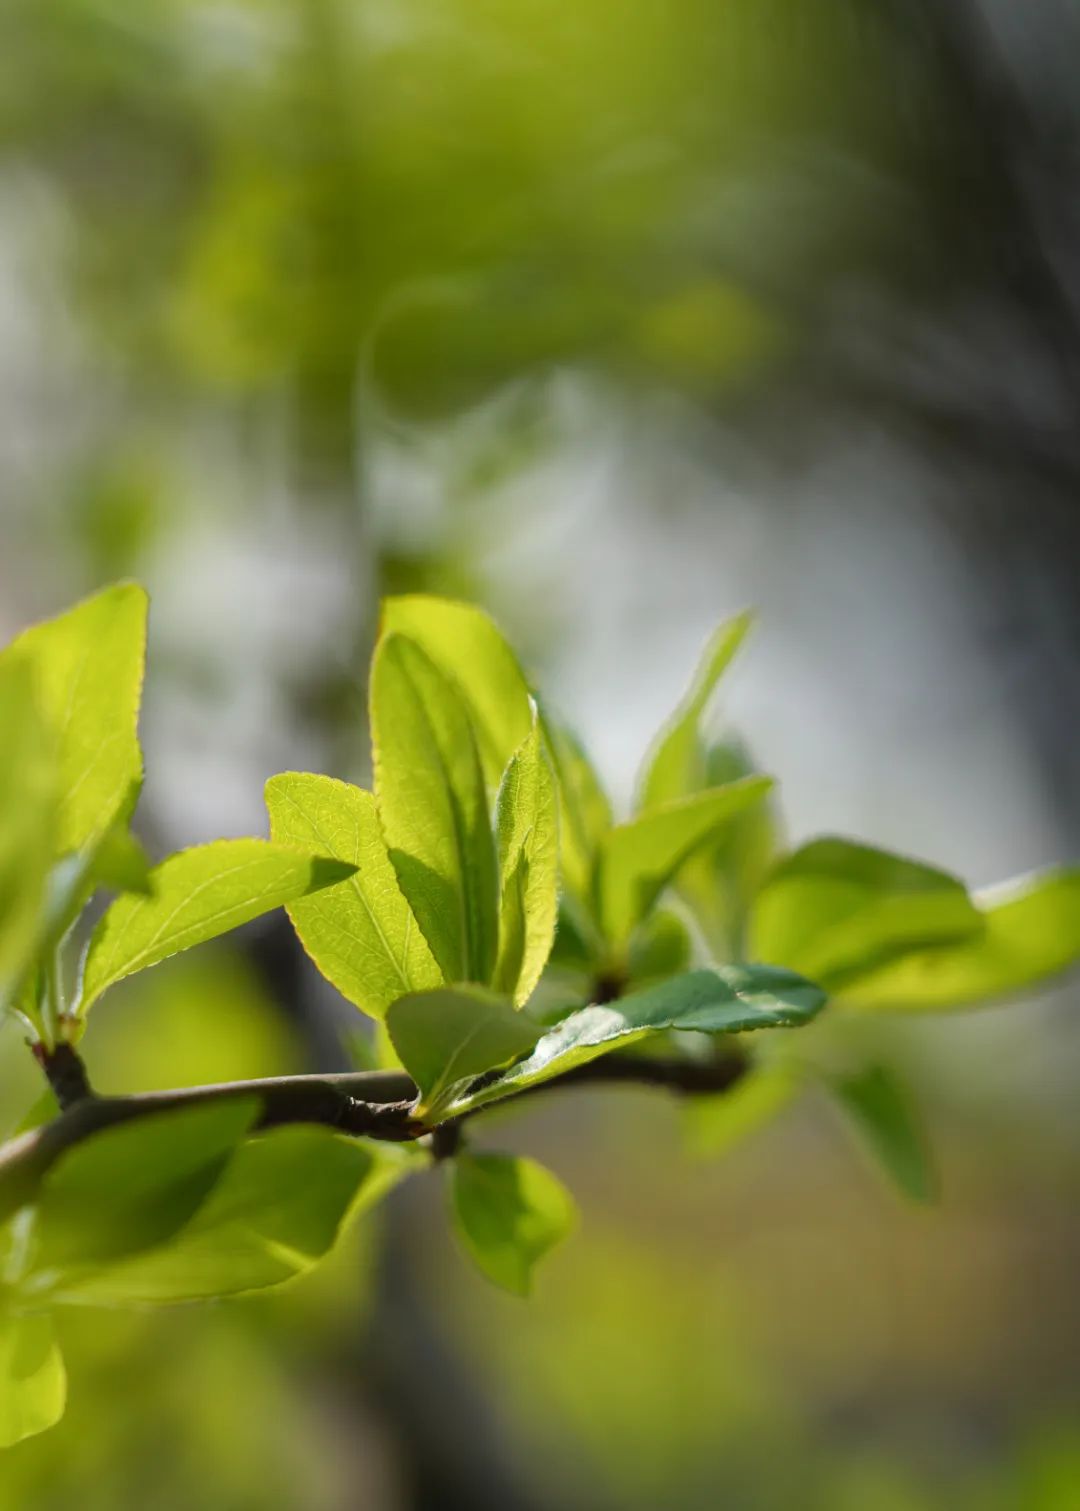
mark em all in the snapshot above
pixel 616 319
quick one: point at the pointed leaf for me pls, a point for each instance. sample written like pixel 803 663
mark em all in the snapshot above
pixel 508 1213
pixel 730 999
pixel 433 807
pixel 675 767
pixel 88 666
pixel 1030 934
pixel 132 1186
pixel 880 1110
pixel 446 1037
pixel 584 813
pixel 468 647
pixel 277 1209
pixel 361 934
pixel 640 858
pixel 835 909
pixel 197 895
pixel 33 1385
pixel 528 848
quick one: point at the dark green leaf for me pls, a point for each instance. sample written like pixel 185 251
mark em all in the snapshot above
pixel 508 1213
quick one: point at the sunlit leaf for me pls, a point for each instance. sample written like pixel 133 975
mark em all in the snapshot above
pixel 445 1037
pixel 881 1111
pixel 33 1385
pixel 730 999
pixel 467 646
pixel 361 933
pixel 528 850
pixel 120 862
pixel 27 815
pixel 197 895
pixel 584 814
pixel 433 807
pixel 88 666
pixel 508 1213
pixel 835 909
pixel 640 858
pixel 1030 934
pixel 675 767
pixel 277 1209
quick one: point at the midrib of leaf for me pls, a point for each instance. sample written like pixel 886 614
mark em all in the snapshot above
pixel 354 883
pixel 445 1075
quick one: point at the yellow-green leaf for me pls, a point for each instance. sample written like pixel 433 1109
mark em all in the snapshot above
pixel 433 808
pixel 27 815
pixel 361 933
pixel 883 1118
pixel 528 849
pixel 33 1385
pixel 198 894
pixel 584 816
pixel 88 665
pixel 508 1213
pixel 446 1037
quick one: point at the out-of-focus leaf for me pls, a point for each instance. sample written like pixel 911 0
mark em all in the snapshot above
pixel 277 1209
pixel 446 1037
pixel 528 848
pixel 121 863
pixel 660 947
pixel 88 671
pixel 714 1124
pixel 881 1112
pixel 835 909
pixel 33 1385
pixel 132 1186
pixel 675 767
pixel 640 858
pixel 197 895
pixel 1030 934
pixel 468 647
pixel 584 814
pixel 433 807
pixel 730 999
pixel 508 1213
pixel 27 815
pixel 361 934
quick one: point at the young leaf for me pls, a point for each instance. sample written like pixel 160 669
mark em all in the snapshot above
pixel 714 1124
pixel 880 1110
pixel 446 1037
pixel 468 647
pixel 277 1209
pixel 88 666
pixel 640 858
pixel 132 1186
pixel 27 814
pixel 361 933
pixel 835 910
pixel 197 895
pixel 584 813
pixel 33 1385
pixel 508 1213
pixel 433 807
pixel 528 848
pixel 120 863
pixel 1030 934
pixel 676 765
pixel 730 999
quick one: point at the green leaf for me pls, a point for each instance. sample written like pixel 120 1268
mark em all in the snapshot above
pixel 88 666
pixel 433 807
pixel 197 895
pixel 835 909
pixel 880 1110
pixel 120 863
pixel 468 647
pixel 361 934
pixel 277 1209
pixel 33 1385
pixel 640 858
pixel 528 848
pixel 508 1213
pixel 730 999
pixel 1030 934
pixel 676 765
pixel 446 1037
pixel 584 813
pixel 715 1124
pixel 131 1186
pixel 27 815
pixel 661 947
